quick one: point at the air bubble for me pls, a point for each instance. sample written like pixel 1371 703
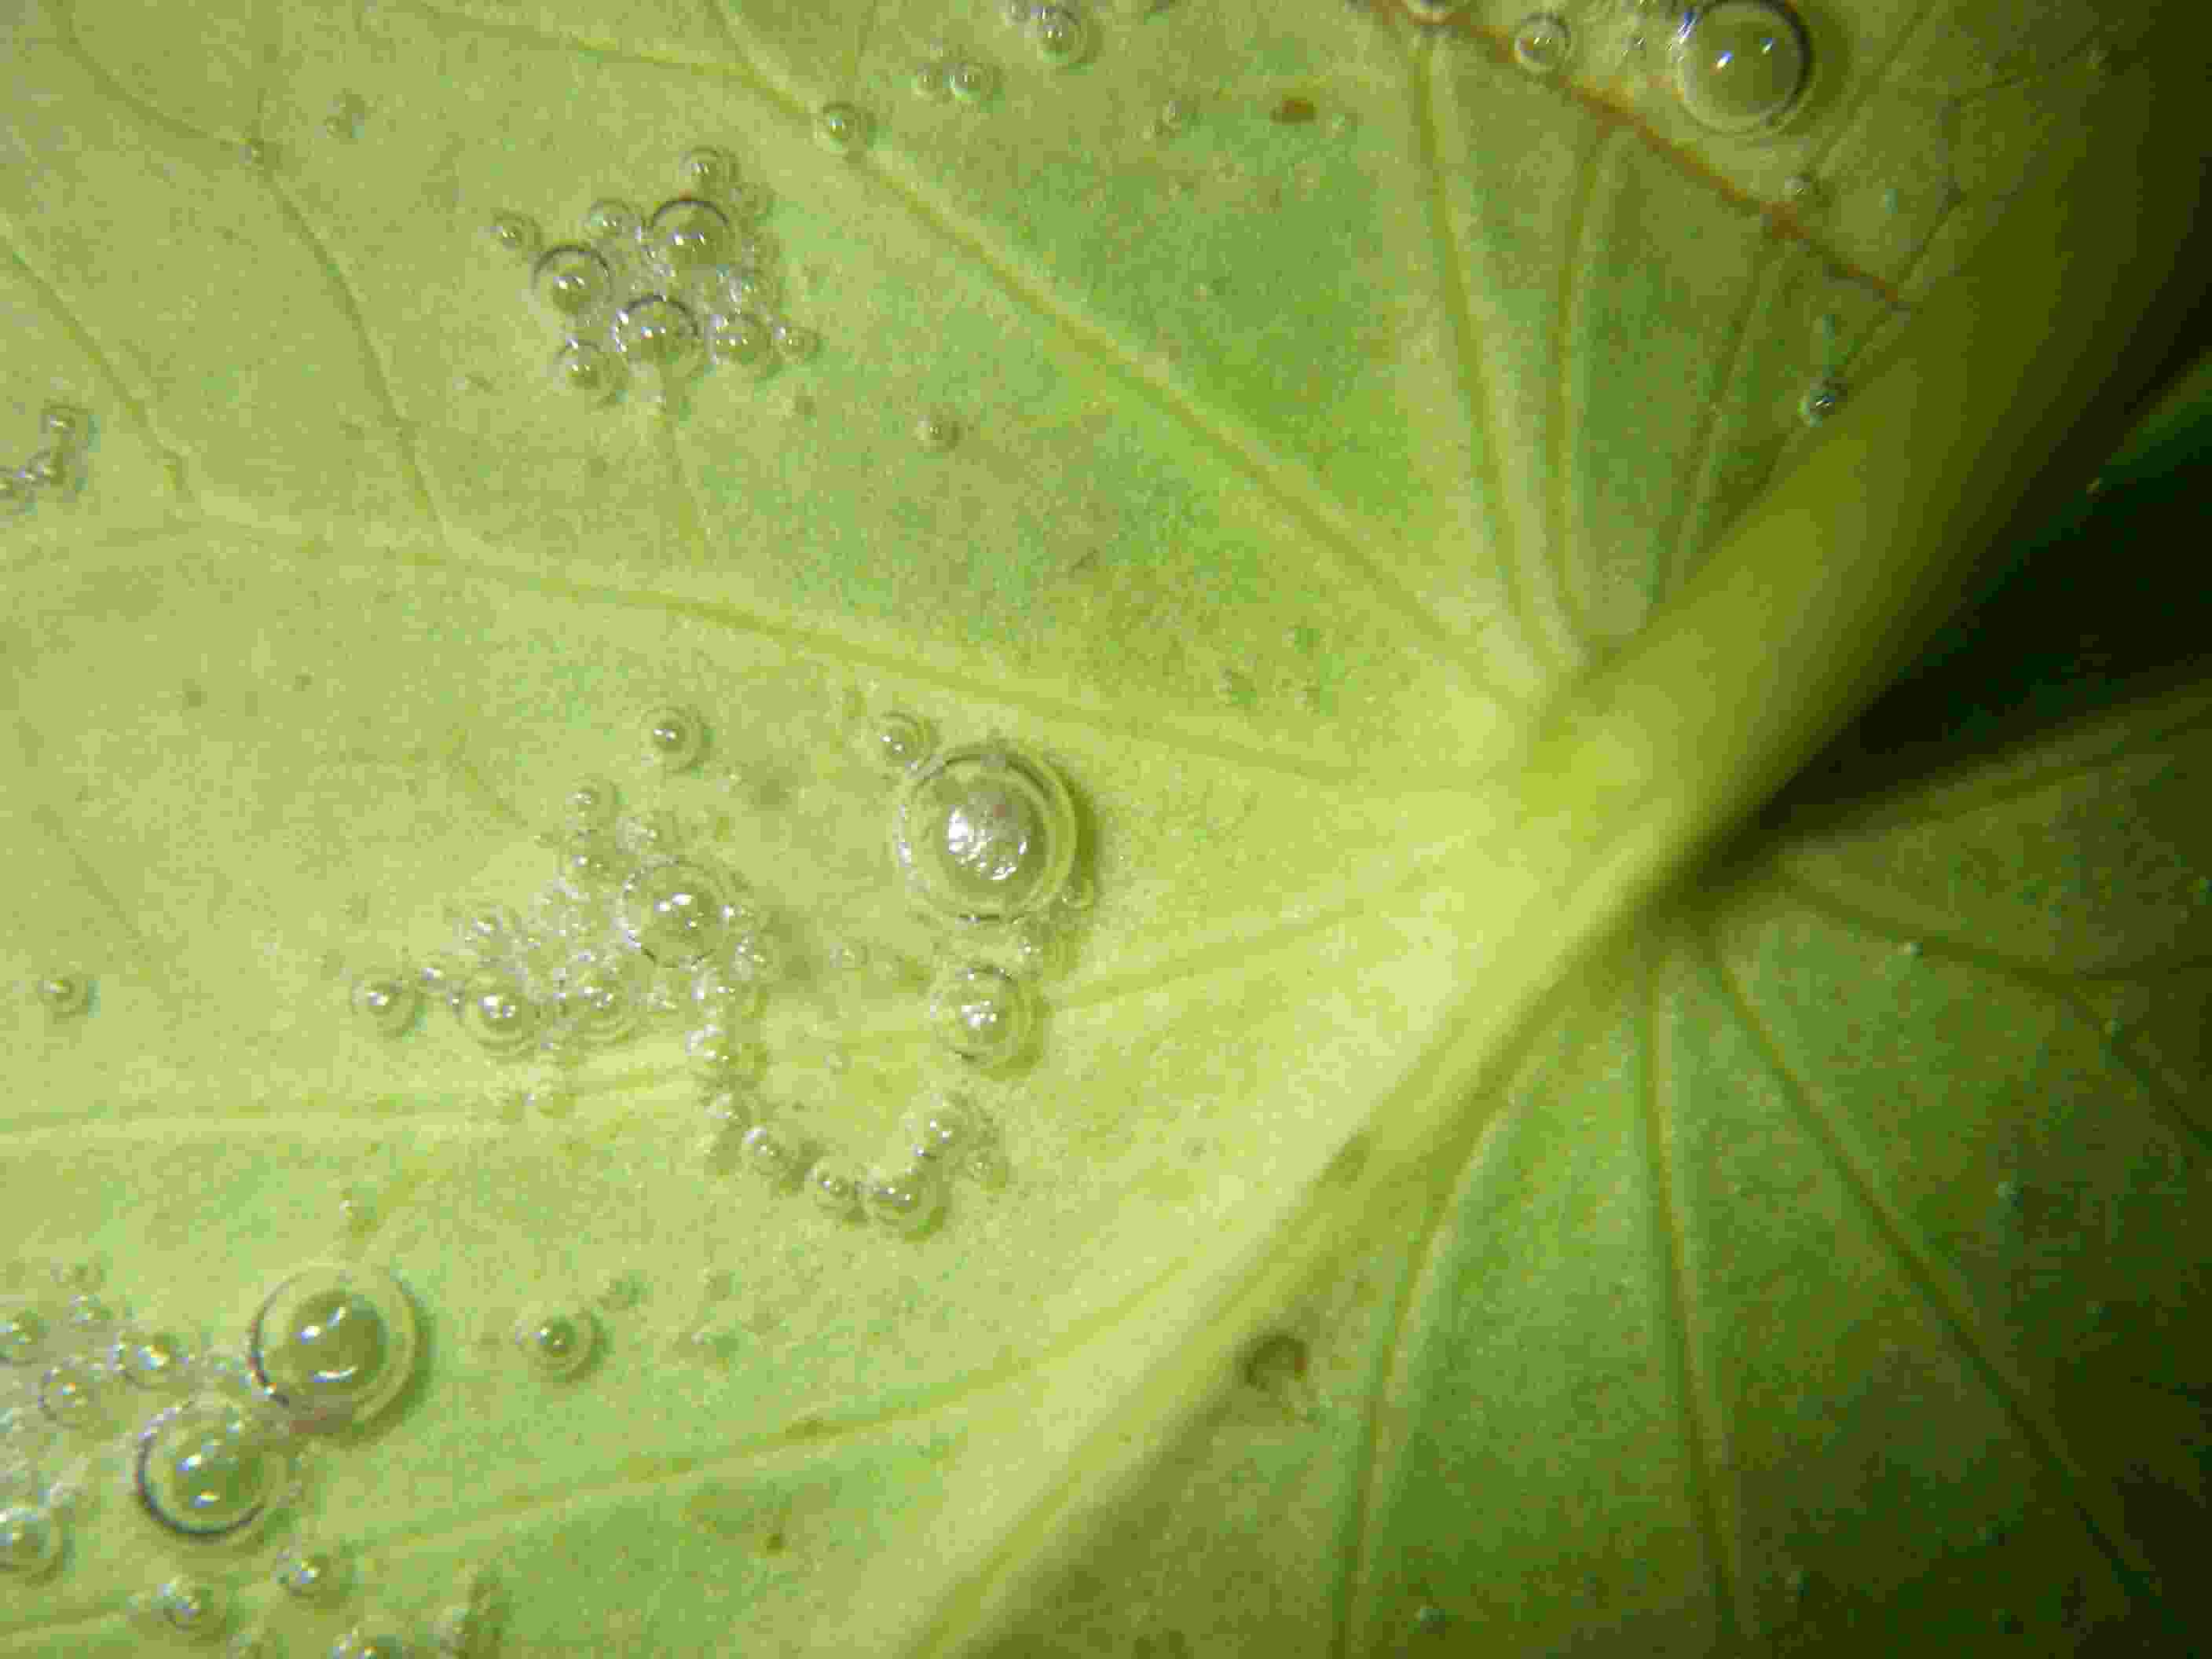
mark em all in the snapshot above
pixel 67 426
pixel 903 1201
pixel 775 1153
pixel 970 80
pixel 516 234
pixel 690 235
pixel 150 1359
pixel 899 742
pixel 612 219
pixel 558 1342
pixel 938 1128
pixel 30 1542
pixel 333 1344
pixel 63 996
pixel 938 431
pixel 571 280
pixel 795 342
pixel 1822 398
pixel 744 341
pixel 987 832
pixel 387 1003
pixel 23 1332
pixel 675 738
pixel 207 1469
pixel 720 1058
pixel 372 1639
pixel 501 1017
pixel 931 81
pixel 843 129
pixel 313 1576
pixel 833 1186
pixel 676 910
pixel 981 1013
pixel 1061 35
pixel 708 170
pixel 190 1607
pixel 660 333
pixel 1740 65
pixel 727 992
pixel 69 1395
pixel 1541 42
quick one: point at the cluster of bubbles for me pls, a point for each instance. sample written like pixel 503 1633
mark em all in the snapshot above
pixel 694 282
pixel 54 471
pixel 642 931
pixel 202 1442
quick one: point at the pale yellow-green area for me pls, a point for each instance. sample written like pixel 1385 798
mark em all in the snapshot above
pixel 1398 526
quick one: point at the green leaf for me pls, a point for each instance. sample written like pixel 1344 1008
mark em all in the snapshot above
pixel 1379 485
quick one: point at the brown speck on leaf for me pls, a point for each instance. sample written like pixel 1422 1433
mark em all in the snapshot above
pixel 1293 112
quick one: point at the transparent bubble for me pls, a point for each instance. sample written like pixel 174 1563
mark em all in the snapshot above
pixel 72 1394
pixel 333 1344
pixel 592 862
pixel 985 832
pixel 63 996
pixel 24 1329
pixel 660 333
pixel 728 1111
pixel 903 1201
pixel 727 992
pixel 557 1341
pixel 387 1003
pixel 936 431
pixel 720 1058
pixel 516 233
pixel 589 369
pixel 1740 65
pixel 186 1607
pixel 501 1017
pixel 774 1152
pixel 744 341
pixel 675 738
pixel 371 1638
pixel 938 1128
pixel 1822 399
pixel 971 81
pixel 599 1000
pixel 708 170
pixel 689 235
pixel 841 128
pixel 795 342
pixel 612 219
pixel 54 471
pixel 676 910
pixel 833 1186
pixel 982 1014
pixel 650 834
pixel 310 1575
pixel 571 280
pixel 1061 35
pixel 594 802
pixel 31 1541
pixel 67 426
pixel 930 80
pixel 1541 42
pixel 152 1359
pixel 899 742
pixel 207 1468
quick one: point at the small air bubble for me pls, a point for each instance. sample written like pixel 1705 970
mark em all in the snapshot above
pixel 833 1186
pixel 744 341
pixel 899 742
pixel 1542 43
pixel 63 996
pixel 571 280
pixel 675 738
pixel 936 431
pixel 660 333
pixel 970 80
pixel 932 81
pixel 982 1014
pixel 795 342
pixel 30 1542
pixel 1061 35
pixel 776 1153
pixel 688 234
pixel 557 1341
pixel 842 128
pixel 1822 399
pixel 310 1575
pixel 903 1201
pixel 612 219
pixel 387 1004
pixel 708 170
pixel 67 426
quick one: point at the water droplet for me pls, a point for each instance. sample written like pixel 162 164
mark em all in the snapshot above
pixel 897 741
pixel 689 235
pixel 69 1395
pixel 516 234
pixel 776 1153
pixel 1061 35
pixel 23 1332
pixel 333 1344
pixel 938 431
pixel 842 128
pixel 971 81
pixel 445 980
pixel 1541 42
pixel 1740 65
pixel 190 1607
pixel 206 1468
pixel 571 280
pixel 1822 399
pixel 833 1185
pixel 660 333
pixel 387 1003
pixel 372 1639
pixel 985 831
pixel 744 341
pixel 938 1128
pixel 310 1575
pixel 30 1542
pixel 708 170
pixel 558 1342
pixel 981 1013
pixel 675 738
pixel 63 996
pixel 676 910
